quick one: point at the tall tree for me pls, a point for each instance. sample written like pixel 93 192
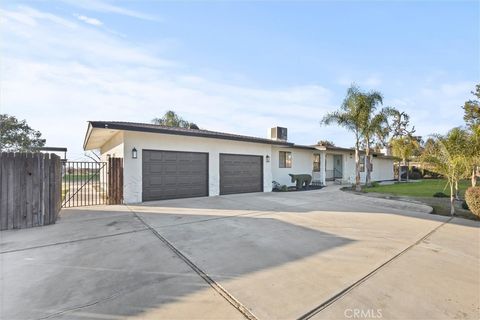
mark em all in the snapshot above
pixel 374 126
pixel 471 109
pixel 401 124
pixel 172 119
pixel 472 151
pixel 349 116
pixel 404 147
pixel 18 136
pixel 446 156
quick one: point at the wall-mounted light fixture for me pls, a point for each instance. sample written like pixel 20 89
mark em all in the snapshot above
pixel 267 158
pixel 134 153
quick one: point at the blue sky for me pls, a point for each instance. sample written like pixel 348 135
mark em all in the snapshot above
pixel 238 66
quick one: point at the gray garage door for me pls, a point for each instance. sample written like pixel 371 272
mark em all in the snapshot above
pixel 240 173
pixel 171 175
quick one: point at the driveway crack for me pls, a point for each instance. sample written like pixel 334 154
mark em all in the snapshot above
pixel 346 290
pixel 215 285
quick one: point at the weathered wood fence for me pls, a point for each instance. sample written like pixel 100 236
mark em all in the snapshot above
pixel 30 189
pixel 115 180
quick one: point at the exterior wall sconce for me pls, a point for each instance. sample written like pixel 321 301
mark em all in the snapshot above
pixel 134 153
pixel 267 158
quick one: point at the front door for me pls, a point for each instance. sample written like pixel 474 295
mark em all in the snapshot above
pixel 337 167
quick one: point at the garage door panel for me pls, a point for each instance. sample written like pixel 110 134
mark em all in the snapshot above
pixel 240 173
pixel 172 174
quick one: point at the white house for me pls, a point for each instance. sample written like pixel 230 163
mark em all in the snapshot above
pixel 164 163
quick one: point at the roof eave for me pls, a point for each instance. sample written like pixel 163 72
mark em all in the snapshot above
pixel 107 125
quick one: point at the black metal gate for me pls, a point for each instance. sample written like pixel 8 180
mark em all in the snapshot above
pixel 92 183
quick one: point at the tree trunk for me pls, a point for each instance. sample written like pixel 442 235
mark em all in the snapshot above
pixel 367 164
pixel 474 177
pixel 408 169
pixel 357 168
pixel 399 171
pixel 457 197
pixel 452 200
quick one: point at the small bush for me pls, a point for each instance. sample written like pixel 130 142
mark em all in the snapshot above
pixel 472 196
pixel 415 175
pixel 284 188
pixel 374 184
pixel 465 205
pixel 440 195
pixel 276 186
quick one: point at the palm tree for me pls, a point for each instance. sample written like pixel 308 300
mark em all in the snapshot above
pixel 404 147
pixel 374 126
pixel 446 156
pixel 473 152
pixel 349 117
pixel 172 119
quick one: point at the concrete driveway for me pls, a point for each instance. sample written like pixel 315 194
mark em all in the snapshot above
pixel 321 254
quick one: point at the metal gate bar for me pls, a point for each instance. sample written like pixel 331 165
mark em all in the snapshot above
pixel 84 184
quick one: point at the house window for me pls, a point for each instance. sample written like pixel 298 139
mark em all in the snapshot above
pixel 362 163
pixel 316 163
pixel 285 159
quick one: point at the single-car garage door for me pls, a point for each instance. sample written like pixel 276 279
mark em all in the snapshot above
pixel 240 173
pixel 173 174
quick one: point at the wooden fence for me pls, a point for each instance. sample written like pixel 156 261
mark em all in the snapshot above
pixel 30 189
pixel 115 180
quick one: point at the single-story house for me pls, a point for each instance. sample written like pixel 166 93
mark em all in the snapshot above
pixel 165 163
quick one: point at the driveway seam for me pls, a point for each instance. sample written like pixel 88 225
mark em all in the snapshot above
pixel 216 286
pixel 346 290
pixel 72 241
pixel 254 213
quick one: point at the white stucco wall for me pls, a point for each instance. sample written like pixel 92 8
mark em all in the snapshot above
pixel 152 141
pixel 382 168
pixel 302 163
pixel 113 147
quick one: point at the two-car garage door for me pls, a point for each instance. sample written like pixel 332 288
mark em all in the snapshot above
pixel 174 174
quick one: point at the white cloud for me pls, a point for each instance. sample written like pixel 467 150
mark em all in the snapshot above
pixel 92 21
pixel 59 79
pixel 107 7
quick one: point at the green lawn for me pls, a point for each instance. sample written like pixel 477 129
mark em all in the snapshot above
pixel 424 188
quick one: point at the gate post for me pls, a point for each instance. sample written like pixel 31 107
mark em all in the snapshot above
pixel 115 180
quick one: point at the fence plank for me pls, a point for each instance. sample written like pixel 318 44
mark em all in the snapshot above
pixel 29 189
pixel 46 188
pixel 3 192
pixel 35 189
pixel 10 190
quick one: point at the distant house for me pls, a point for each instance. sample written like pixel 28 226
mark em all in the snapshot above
pixel 166 163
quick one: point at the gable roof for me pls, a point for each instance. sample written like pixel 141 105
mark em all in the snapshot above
pixel 154 128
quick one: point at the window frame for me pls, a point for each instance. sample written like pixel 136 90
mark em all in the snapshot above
pixel 316 164
pixel 284 161
pixel 361 163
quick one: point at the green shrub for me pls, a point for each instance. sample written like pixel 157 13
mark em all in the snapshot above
pixel 440 195
pixel 472 196
pixel 284 188
pixel 415 175
pixel 465 205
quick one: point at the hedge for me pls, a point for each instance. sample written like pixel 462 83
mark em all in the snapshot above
pixel 472 196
